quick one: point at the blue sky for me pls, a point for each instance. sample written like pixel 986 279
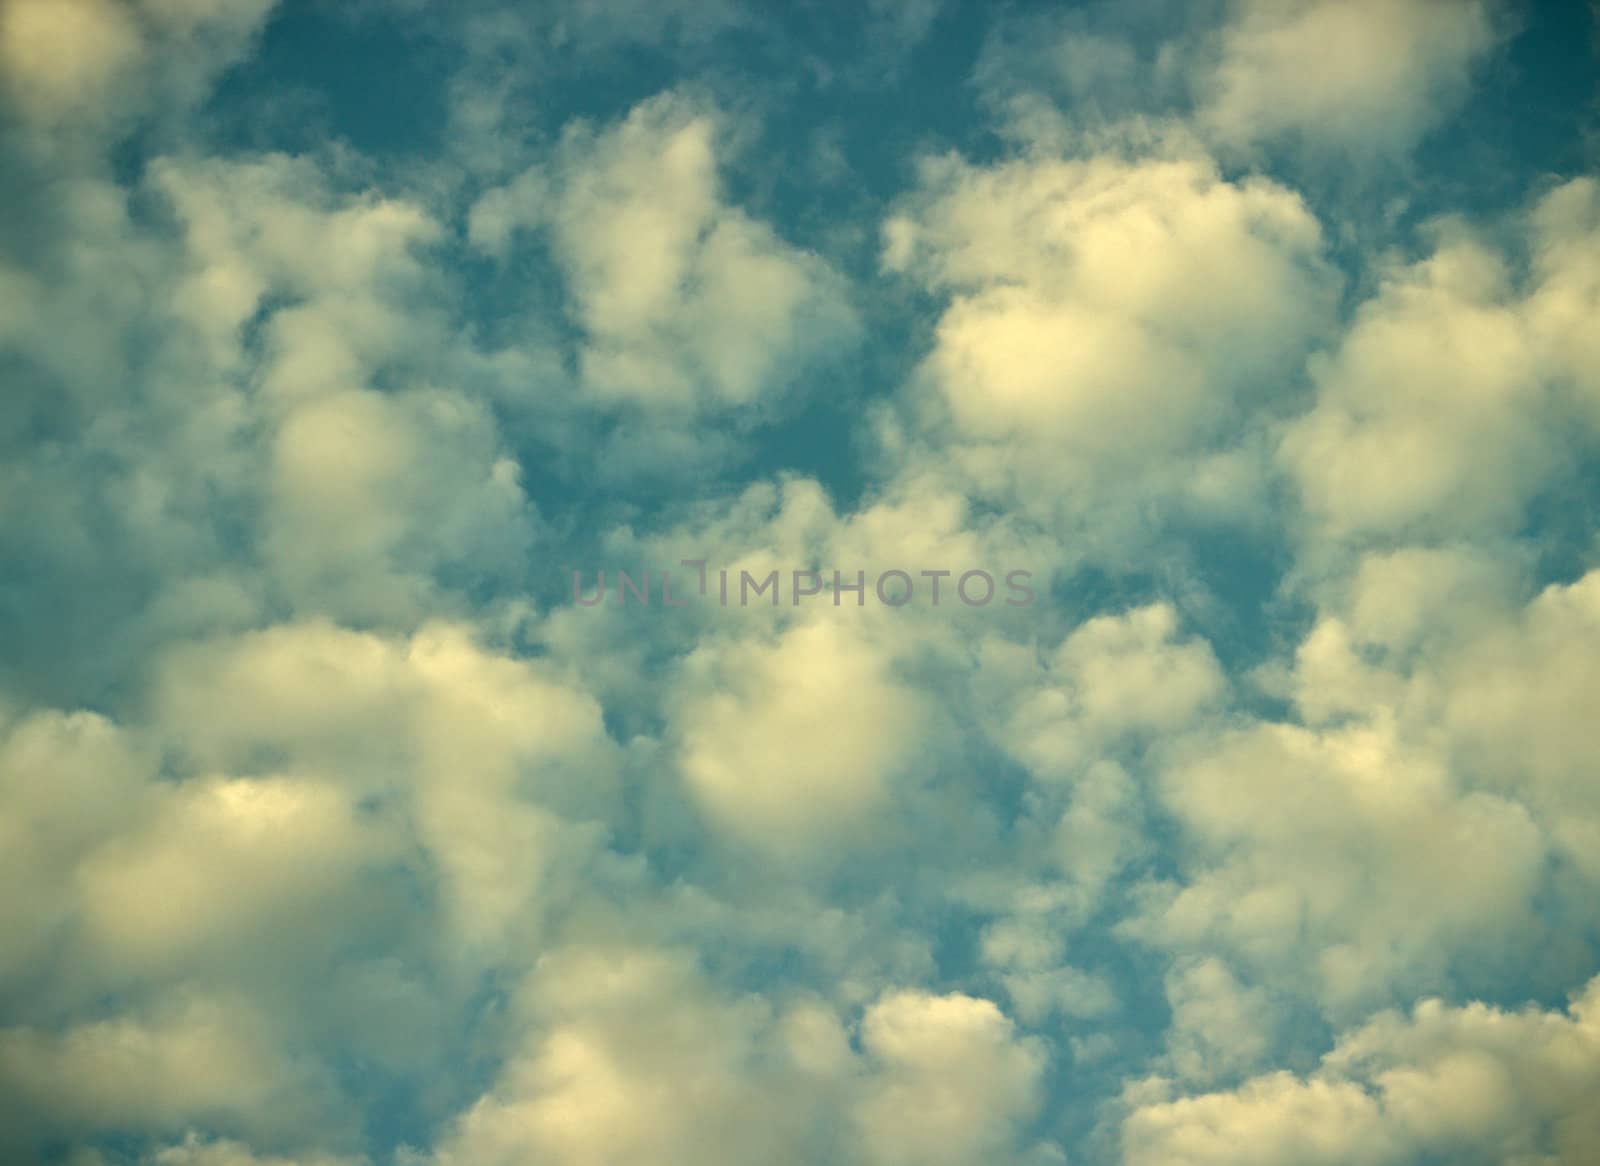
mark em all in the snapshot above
pixel 1258 335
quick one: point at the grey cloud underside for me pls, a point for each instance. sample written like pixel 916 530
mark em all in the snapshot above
pixel 333 833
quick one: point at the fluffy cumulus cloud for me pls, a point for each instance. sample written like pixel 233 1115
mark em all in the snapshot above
pixel 1111 325
pixel 1475 1083
pixel 1104 669
pixel 1364 79
pixel 632 1056
pixel 91 64
pixel 1463 380
pixel 1080 308
pixel 493 754
pixel 784 740
pixel 953 1081
pixel 638 1060
pixel 1332 85
pixel 1290 828
pixel 682 299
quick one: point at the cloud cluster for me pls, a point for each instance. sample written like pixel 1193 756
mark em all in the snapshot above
pixel 334 833
pixel 638 1059
pixel 1477 1083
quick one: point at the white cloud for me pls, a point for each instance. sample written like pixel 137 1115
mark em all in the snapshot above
pixel 954 1082
pixel 685 301
pixel 1344 862
pixel 1338 83
pixel 1429 416
pixel 90 64
pixel 66 53
pixel 197 1151
pixel 1565 241
pixel 373 494
pixel 1027 953
pixel 1113 676
pixel 370 493
pixel 1112 687
pixel 632 1055
pixel 492 752
pixel 1455 657
pixel 796 743
pixel 1462 389
pixel 209 869
pixel 67 784
pixel 1471 1084
pixel 1517 703
pixel 637 1061
pixel 1109 322
pixel 194 1058
pixel 1087 305
pixel 1362 78
pixel 1219 1027
pixel 356 828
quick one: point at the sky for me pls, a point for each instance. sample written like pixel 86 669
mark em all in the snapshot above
pixel 1152 453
